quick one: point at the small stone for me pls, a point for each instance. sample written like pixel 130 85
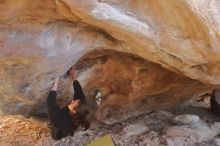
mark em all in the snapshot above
pixel 217 140
pixel 153 134
pixel 185 119
pixel 216 125
pixel 176 141
pixel 135 129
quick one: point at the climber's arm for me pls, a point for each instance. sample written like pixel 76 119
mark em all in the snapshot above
pixel 51 101
pixel 55 85
pixel 51 98
pixel 78 91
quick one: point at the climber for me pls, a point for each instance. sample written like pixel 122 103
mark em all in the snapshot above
pixel 64 121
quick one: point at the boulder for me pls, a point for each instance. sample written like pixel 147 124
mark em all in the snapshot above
pixel 186 119
pixel 143 55
pixel 135 129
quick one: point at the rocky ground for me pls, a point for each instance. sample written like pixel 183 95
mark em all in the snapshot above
pixel 190 124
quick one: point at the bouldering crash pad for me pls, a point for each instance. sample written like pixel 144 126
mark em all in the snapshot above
pixel 103 141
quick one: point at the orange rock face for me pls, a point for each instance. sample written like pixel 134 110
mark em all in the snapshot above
pixel 142 54
pixel 131 85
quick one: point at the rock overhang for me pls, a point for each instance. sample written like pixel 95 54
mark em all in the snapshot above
pixel 37 46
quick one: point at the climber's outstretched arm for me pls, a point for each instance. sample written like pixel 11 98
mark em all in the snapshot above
pixel 78 91
pixel 52 106
pixel 54 112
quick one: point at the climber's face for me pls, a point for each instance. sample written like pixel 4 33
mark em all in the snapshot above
pixel 73 106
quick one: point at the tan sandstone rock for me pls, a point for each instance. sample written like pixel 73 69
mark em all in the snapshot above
pixel 142 54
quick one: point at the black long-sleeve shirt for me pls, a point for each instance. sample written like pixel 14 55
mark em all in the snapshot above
pixel 62 123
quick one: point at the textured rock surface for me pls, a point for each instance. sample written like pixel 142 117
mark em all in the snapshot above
pixel 160 131
pixel 131 85
pixel 181 35
pixel 186 119
pixel 42 39
pixel 135 129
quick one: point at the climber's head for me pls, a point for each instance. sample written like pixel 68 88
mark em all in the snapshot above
pixel 74 105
